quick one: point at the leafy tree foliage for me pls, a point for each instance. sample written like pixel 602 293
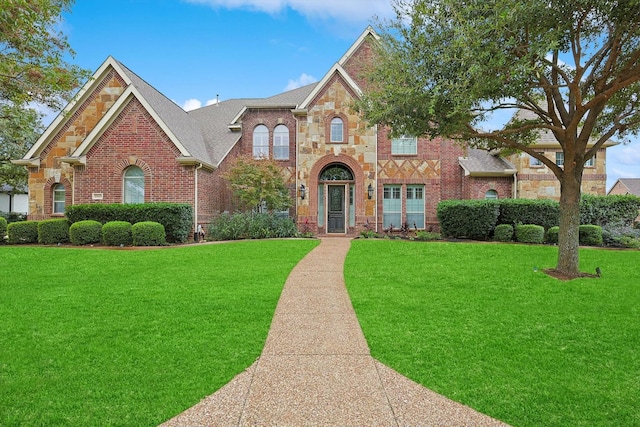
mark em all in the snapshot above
pixel 258 181
pixel 33 72
pixel 568 68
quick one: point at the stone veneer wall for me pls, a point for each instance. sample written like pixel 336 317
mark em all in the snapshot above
pixel 78 126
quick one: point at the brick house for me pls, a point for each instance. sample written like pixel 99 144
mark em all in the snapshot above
pixel 122 141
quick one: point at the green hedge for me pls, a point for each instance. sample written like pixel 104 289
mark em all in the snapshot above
pixel 609 210
pixel 22 232
pixel 53 231
pixel 177 218
pixel 526 211
pixel 552 235
pixel 251 226
pixel 470 219
pixel 3 228
pixel 503 233
pixel 590 235
pixel 148 233
pixel 117 233
pixel 85 232
pixel 529 233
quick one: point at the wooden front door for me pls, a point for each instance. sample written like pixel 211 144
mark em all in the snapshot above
pixel 336 211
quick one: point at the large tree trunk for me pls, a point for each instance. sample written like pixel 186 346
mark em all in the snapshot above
pixel 568 237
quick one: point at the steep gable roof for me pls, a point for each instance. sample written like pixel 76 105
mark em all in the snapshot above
pixel 631 184
pixel 481 163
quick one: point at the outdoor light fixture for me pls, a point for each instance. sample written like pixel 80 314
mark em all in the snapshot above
pixel 369 191
pixel 303 191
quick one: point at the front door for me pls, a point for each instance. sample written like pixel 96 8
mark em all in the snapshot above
pixel 336 211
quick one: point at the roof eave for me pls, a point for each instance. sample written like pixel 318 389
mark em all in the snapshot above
pixel 192 161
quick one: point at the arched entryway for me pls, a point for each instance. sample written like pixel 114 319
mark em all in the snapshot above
pixel 336 198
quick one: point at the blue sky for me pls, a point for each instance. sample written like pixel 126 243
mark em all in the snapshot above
pixel 195 50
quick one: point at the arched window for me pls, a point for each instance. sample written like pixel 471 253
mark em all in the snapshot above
pixel 491 194
pixel 336 172
pixel 281 143
pixel 59 195
pixel 261 142
pixel 133 185
pixel 337 130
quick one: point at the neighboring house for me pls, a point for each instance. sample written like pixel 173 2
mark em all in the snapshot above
pixel 624 186
pixel 13 200
pixel 121 141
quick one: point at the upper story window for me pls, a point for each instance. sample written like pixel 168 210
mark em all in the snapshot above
pixel 261 142
pixel 133 185
pixel 591 162
pixel 337 130
pixel 404 145
pixel 560 158
pixel 59 196
pixel 281 143
pixel 534 161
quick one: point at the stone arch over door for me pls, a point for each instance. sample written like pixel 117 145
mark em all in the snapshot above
pixel 358 182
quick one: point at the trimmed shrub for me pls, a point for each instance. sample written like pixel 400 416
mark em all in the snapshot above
pixel 148 233
pixel 471 219
pixel 53 231
pixel 177 218
pixel 552 235
pixel 526 211
pixel 251 226
pixel 529 233
pixel 503 233
pixel 22 232
pixel 427 236
pixel 590 235
pixel 85 232
pixel 13 216
pixel 117 233
pixel 609 210
pixel 3 228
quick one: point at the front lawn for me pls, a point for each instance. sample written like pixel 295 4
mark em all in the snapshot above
pixel 479 324
pixel 131 337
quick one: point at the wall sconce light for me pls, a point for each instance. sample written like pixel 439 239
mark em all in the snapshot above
pixel 369 191
pixel 303 191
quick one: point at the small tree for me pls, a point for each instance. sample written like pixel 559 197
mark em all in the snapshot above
pixel 259 181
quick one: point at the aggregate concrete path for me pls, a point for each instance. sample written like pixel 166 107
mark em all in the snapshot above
pixel 316 369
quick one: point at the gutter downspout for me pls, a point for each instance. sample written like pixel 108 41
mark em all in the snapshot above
pixel 195 200
pixel 515 185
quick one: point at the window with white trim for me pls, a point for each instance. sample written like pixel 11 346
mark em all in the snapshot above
pixel 261 142
pixel 404 145
pixel 491 195
pixel 281 143
pixel 560 158
pixel 534 161
pixel 59 197
pixel 415 206
pixel 133 183
pixel 591 162
pixel 392 206
pixel 337 130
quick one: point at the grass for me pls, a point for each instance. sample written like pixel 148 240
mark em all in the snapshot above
pixel 476 323
pixel 121 337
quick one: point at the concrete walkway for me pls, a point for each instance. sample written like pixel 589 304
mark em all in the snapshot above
pixel 316 369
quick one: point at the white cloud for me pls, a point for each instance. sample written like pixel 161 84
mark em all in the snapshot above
pixel 352 10
pixel 303 80
pixel 212 101
pixel 191 104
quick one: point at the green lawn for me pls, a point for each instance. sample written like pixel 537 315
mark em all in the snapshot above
pixel 131 337
pixel 476 323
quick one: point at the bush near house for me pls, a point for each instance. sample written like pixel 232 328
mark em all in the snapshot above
pixel 609 210
pixel 13 216
pixel 148 233
pixel 250 225
pixel 470 219
pixel 117 233
pixel 503 233
pixel 53 231
pixel 177 218
pixel 526 211
pixel 22 232
pixel 621 237
pixel 590 235
pixel 85 232
pixel 552 235
pixel 529 233
pixel 3 228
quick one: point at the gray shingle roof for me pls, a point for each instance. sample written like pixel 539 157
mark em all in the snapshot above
pixel 480 162
pixel 632 184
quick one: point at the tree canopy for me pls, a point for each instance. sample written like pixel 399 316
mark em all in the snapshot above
pixel 33 72
pixel 570 68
